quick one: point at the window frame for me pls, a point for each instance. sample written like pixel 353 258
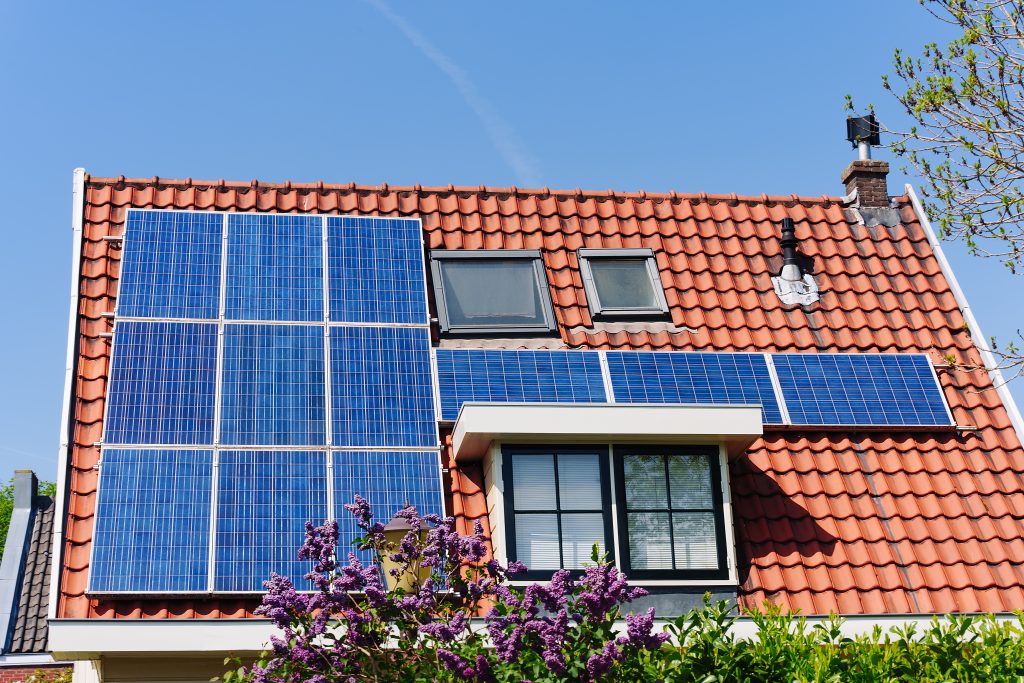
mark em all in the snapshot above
pixel 437 258
pixel 718 505
pixel 508 451
pixel 597 309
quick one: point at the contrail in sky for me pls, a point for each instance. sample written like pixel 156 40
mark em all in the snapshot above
pixel 498 129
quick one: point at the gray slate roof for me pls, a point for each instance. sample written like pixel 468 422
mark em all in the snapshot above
pixel 30 629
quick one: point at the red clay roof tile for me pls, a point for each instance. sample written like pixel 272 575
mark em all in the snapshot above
pixel 851 523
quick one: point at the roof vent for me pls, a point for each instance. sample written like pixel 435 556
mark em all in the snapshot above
pixel 791 284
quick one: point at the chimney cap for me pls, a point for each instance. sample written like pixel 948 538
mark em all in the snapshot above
pixel 862 129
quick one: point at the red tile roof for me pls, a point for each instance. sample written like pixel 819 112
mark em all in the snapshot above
pixel 856 523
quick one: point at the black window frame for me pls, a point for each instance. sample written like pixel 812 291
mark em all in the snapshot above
pixel 507 453
pixel 718 508
pixel 438 256
pixel 599 311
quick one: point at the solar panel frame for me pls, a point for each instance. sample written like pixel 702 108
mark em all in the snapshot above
pixel 291 485
pixel 482 375
pixel 365 251
pixel 382 390
pixel 196 479
pixel 274 268
pixel 278 355
pixel 152 358
pixel 694 378
pixel 186 287
pixel 873 390
pixel 408 476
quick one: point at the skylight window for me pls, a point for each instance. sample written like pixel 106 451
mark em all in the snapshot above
pixel 480 292
pixel 622 283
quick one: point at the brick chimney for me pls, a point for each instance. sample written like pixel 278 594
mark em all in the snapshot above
pixel 867 177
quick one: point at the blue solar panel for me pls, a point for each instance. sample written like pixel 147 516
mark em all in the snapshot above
pixel 517 376
pixel 162 384
pixel 376 269
pixel 170 267
pixel 693 378
pixel 275 268
pixel 152 521
pixel 388 481
pixel 863 390
pixel 381 387
pixel 264 499
pixel 273 390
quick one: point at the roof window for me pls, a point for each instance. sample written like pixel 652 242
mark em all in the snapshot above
pixel 481 292
pixel 622 283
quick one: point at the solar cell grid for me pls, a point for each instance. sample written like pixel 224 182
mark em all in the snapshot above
pixel 264 499
pixel 861 389
pixel 381 387
pixel 376 270
pixel 170 265
pixel 517 376
pixel 693 378
pixel 388 481
pixel 152 521
pixel 275 267
pixel 162 382
pixel 273 390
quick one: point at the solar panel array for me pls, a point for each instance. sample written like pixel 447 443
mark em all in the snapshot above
pixel 266 368
pixel 894 390
pixel 249 350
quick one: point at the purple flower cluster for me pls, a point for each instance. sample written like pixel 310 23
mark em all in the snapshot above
pixel 569 619
pixel 351 628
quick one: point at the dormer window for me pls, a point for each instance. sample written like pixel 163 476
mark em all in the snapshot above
pixel 622 283
pixel 485 292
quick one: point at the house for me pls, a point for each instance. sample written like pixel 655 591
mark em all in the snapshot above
pixel 25 585
pixel 744 395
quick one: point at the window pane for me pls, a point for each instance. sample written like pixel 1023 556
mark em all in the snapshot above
pixel 690 476
pixel 650 545
pixel 537 541
pixel 500 292
pixel 533 482
pixel 579 534
pixel 579 481
pixel 623 283
pixel 645 482
pixel 695 543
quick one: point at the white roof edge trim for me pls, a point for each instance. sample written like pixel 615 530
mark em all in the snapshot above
pixel 86 638
pixel 479 424
pixel 979 338
pixel 91 638
pixel 64 452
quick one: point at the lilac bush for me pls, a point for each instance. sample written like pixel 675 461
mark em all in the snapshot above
pixel 460 620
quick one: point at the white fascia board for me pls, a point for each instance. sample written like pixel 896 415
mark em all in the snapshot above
pixel 479 424
pixel 41 659
pixel 67 401
pixel 90 638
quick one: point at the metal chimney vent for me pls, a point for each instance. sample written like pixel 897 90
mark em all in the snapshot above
pixel 792 285
pixel 863 134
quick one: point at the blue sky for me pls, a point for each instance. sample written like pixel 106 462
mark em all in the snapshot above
pixel 715 97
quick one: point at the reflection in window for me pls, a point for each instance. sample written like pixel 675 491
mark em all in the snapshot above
pixel 480 291
pixel 671 514
pixel 622 282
